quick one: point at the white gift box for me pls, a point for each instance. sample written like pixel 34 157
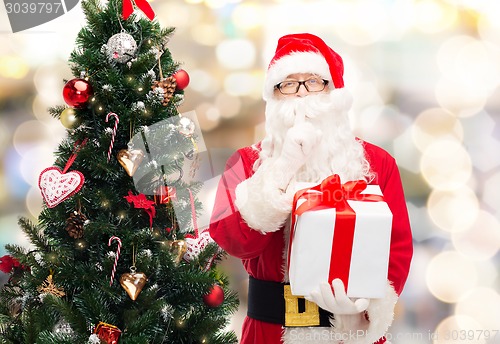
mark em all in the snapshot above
pixel 311 251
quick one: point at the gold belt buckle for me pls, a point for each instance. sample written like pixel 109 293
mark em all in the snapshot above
pixel 310 317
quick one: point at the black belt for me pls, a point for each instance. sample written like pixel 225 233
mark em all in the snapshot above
pixel 272 302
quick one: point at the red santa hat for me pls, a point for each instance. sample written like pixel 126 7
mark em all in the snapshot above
pixel 303 53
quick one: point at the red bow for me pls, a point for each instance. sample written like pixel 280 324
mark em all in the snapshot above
pixel 331 193
pixel 144 6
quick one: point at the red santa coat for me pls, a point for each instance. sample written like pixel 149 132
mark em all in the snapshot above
pixel 262 254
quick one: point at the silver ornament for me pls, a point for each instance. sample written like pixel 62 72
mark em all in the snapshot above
pixel 121 47
pixel 186 127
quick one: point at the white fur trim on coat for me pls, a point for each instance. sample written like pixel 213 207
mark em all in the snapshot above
pixel 296 62
pixel 350 329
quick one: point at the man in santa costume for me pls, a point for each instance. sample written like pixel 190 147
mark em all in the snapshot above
pixel 308 138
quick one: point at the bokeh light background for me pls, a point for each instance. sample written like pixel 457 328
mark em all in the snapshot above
pixel 425 77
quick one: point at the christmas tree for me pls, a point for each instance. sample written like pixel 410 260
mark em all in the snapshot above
pixel 116 255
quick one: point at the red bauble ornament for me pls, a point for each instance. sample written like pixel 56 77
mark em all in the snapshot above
pixel 215 297
pixel 182 79
pixel 77 92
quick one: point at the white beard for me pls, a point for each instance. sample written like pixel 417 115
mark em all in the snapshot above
pixel 339 152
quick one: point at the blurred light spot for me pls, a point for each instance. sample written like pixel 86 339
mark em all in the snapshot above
pixel 40 110
pixel 447 53
pixel 453 210
pixel 31 133
pixel 482 240
pixel 369 102
pixel 176 14
pixel 481 304
pixel 484 152
pixel 489 23
pixel 34 201
pixel 433 16
pixel 13 67
pixel 259 132
pixel 458 329
pixel 446 273
pixel 471 72
pixel 220 3
pixel 213 114
pixel 478 5
pixel 208 116
pixel 4 137
pixel 433 124
pixel 487 272
pixel 490 194
pixel 248 16
pixel 365 23
pixel 48 80
pixel 422 226
pixel 406 153
pixel 4 191
pixel 445 164
pixel 236 54
pixel 241 84
pixel 402 18
pixel 10 232
pixel 34 161
pixel 477 64
pixel 387 117
pixel 206 34
pixel 16 186
pixel 228 105
pixel 203 83
pixel 463 100
pixel 481 144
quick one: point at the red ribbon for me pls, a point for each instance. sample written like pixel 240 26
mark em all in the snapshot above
pixel 72 158
pixel 144 6
pixel 331 193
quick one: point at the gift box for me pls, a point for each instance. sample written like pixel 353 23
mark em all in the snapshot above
pixel 340 231
pixel 107 333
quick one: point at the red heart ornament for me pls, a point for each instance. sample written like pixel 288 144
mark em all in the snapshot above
pixel 57 186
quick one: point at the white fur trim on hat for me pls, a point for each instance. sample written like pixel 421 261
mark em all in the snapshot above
pixel 296 62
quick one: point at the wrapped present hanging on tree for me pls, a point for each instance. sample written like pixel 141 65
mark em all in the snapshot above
pixel 340 231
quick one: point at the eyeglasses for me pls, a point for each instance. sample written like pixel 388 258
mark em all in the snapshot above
pixel 311 85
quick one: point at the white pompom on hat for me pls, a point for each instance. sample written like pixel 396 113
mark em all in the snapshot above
pixel 303 53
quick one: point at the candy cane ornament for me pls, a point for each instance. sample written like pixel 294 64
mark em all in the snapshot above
pixel 117 120
pixel 116 258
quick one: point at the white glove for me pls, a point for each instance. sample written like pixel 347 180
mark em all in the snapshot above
pixel 336 301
